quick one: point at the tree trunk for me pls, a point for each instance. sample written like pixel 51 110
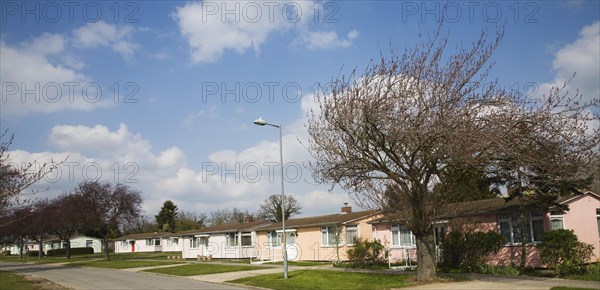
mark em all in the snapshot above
pixel 426 269
pixel 105 245
pixel 68 241
pixel 523 236
pixel 40 249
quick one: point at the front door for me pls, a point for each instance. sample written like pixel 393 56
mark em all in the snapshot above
pixel 132 246
pixel 291 247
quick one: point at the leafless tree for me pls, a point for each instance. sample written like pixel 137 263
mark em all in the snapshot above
pixel 410 117
pixel 189 221
pixel 109 207
pixel 67 216
pixel 16 178
pixel 270 208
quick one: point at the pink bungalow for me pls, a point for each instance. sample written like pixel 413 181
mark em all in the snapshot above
pixel 315 238
pixel 582 216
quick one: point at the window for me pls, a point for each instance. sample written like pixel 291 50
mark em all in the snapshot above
pixel 246 240
pixel 401 236
pixel 330 236
pixel 231 240
pixel 556 220
pixel 273 238
pixel 149 242
pixel 510 229
pixel 89 243
pixel 351 234
pixel 598 220
pixel 194 242
pixel 157 241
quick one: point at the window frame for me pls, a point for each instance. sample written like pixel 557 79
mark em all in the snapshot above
pixel 399 233
pixel 326 236
pixel 511 220
pixel 557 216
pixel 353 229
pixel 229 238
pixel 273 239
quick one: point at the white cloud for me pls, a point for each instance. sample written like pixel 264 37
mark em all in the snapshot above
pixel 33 82
pixel 212 28
pixel 321 40
pixel 102 34
pixel 581 57
pixel 225 179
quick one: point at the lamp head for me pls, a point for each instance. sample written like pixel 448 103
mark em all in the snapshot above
pixel 260 122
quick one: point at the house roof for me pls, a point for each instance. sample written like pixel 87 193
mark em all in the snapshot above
pixel 489 206
pixel 141 236
pixel 338 218
pixel 225 228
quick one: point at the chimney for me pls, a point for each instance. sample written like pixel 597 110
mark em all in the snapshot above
pixel 346 208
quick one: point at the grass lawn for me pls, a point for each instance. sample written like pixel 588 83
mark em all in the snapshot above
pixel 123 264
pixel 12 281
pixel 203 269
pixel 300 263
pixel 323 279
pixel 570 288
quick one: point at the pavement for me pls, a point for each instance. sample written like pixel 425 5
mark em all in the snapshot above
pixel 99 278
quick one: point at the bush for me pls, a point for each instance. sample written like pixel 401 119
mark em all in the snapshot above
pixel 34 253
pixel 561 251
pixel 468 251
pixel 365 253
pixel 74 251
pixel 498 270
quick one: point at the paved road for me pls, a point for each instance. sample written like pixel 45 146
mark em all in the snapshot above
pixel 98 278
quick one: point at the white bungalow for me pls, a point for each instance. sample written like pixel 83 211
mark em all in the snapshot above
pixel 144 242
pixel 231 241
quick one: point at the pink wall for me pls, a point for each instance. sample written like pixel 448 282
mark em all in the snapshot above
pixel 581 218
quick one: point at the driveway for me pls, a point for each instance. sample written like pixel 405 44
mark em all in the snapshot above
pixel 99 278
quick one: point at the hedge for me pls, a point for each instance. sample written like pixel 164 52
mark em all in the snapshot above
pixel 74 251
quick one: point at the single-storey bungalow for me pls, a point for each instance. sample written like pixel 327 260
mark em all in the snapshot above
pixel 53 242
pixel 316 238
pixel 229 241
pixel 148 242
pixel 582 216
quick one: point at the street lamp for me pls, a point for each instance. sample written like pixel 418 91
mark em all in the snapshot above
pixel 261 122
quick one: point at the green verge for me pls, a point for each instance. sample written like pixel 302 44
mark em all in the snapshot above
pixel 570 288
pixel 14 281
pixel 203 269
pixel 123 264
pixel 323 279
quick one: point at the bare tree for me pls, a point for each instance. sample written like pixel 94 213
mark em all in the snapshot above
pixel 67 216
pixel 411 117
pixel 189 221
pixel 229 216
pixel 109 207
pixel 15 178
pixel 270 208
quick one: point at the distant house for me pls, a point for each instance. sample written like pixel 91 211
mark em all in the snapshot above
pixel 583 217
pixel 229 241
pixel 316 238
pixel 52 243
pixel 147 242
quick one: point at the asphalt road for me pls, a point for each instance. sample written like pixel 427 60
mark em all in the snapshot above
pixel 99 278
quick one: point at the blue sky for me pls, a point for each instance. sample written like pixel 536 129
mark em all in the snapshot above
pixel 161 95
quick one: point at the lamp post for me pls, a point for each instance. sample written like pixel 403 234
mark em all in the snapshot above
pixel 261 122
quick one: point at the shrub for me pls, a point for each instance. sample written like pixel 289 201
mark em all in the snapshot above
pixel 498 270
pixel 74 251
pixel 366 253
pixel 34 253
pixel 561 251
pixel 469 250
